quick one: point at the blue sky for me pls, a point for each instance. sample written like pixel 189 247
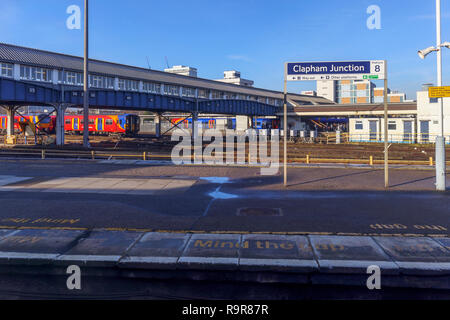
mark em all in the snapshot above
pixel 253 36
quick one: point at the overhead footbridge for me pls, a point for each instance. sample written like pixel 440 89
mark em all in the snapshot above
pixel 32 77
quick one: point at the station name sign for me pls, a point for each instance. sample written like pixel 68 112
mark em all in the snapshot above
pixel 341 70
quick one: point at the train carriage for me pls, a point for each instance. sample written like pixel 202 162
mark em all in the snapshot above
pixel 42 122
pixel 127 124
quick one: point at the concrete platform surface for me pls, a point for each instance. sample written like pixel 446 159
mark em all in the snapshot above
pixel 300 258
pixel 87 195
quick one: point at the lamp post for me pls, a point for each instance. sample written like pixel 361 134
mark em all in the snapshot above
pixel 86 76
pixel 440 140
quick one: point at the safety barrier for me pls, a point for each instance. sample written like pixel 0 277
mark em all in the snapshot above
pixel 369 161
pixel 308 159
pixel 408 138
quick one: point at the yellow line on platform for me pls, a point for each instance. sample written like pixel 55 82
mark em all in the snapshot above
pixel 288 233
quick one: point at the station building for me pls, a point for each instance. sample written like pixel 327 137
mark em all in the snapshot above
pixel 356 92
pixel 409 121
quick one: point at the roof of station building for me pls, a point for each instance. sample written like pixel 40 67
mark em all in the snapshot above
pixel 406 108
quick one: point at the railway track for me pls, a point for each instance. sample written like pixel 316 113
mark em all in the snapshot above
pixel 145 147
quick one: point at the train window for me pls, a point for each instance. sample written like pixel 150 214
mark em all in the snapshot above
pixel 358 125
pixel 91 121
pixel 44 118
pixel 67 121
pixel 148 121
pixel 109 122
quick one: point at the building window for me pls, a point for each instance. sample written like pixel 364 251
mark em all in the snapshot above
pixel 218 95
pixel 359 125
pixel 6 70
pixel 171 90
pixel 96 81
pixel 434 100
pixel 203 93
pixel 188 92
pixel 101 82
pixel 35 74
pixel 121 84
pixel 71 78
pixel 152 87
pixel 128 85
pixel 392 125
pixel 110 83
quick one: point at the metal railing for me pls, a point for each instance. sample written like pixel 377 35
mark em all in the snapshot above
pixel 147 156
pixel 406 138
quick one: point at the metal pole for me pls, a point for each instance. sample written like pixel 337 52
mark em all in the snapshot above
pixel 386 132
pixel 440 140
pixel 285 125
pixel 86 76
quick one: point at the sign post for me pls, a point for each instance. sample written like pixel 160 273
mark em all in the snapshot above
pixel 440 93
pixel 336 71
pixel 285 125
pixel 386 132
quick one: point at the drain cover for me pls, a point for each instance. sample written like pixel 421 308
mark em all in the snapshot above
pixel 259 212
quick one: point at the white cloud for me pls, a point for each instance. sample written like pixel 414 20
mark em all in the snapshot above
pixel 429 16
pixel 239 57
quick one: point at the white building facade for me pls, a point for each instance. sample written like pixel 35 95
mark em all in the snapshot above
pixel 420 127
pixel 428 117
pixel 400 130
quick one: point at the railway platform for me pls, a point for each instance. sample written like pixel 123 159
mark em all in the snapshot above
pixel 152 265
pixel 153 230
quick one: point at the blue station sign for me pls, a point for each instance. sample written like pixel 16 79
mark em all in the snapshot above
pixel 339 70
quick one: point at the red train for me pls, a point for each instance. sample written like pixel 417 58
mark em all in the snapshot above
pixel 42 122
pixel 124 124
pixel 127 124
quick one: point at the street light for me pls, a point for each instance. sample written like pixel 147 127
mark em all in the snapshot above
pixel 446 44
pixel 423 53
pixel 440 140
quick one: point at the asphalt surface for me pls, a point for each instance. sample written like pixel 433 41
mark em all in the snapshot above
pixel 178 199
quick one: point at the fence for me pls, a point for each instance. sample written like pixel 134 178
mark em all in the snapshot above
pixel 253 160
pixel 407 138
